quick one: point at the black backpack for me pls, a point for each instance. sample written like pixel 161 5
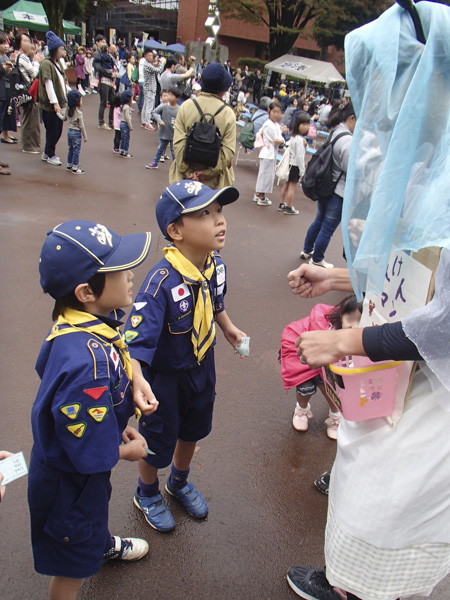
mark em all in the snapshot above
pixel 203 141
pixel 317 182
pixel 19 86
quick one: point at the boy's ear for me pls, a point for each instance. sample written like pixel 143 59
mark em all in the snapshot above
pixel 84 294
pixel 174 231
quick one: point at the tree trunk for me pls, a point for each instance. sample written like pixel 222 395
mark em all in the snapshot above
pixel 323 53
pixel 55 10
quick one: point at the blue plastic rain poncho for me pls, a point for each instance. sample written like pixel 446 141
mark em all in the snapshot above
pixel 397 193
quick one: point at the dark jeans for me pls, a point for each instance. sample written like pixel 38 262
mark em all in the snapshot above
pixel 162 148
pixel 81 81
pixel 141 97
pixel 319 234
pixel 106 97
pixel 74 143
pixel 117 136
pixel 53 130
pixel 125 137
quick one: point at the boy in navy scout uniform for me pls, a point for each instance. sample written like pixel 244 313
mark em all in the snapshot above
pixel 80 415
pixel 171 334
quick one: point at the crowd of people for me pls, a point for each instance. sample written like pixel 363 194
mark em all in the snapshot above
pixel 388 530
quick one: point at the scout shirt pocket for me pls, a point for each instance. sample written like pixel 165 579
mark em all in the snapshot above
pixel 181 317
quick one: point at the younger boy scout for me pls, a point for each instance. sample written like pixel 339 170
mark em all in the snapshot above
pixel 81 411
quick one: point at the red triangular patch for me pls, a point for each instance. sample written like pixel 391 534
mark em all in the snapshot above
pixel 95 392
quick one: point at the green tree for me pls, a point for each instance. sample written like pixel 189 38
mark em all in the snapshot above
pixel 331 26
pixel 287 19
pixel 54 10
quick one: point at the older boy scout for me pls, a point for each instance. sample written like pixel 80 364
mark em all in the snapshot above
pixel 171 336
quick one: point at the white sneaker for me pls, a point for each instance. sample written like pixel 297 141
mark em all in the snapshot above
pixel 332 424
pixel 301 416
pixel 255 198
pixel 263 202
pixel 126 549
pixel 80 89
pixel 305 255
pixel 44 157
pixel 54 160
pixel 322 263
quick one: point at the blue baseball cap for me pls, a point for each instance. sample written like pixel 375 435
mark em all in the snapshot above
pixel 186 197
pixel 75 251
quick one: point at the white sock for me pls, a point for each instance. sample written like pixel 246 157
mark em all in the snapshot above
pixel 308 407
pixel 334 415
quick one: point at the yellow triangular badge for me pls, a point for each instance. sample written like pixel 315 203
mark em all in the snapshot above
pixel 71 410
pixel 98 413
pixel 77 429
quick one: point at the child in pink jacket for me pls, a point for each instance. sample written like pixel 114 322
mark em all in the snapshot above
pixel 345 315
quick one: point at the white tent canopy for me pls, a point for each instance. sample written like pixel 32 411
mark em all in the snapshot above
pixel 306 68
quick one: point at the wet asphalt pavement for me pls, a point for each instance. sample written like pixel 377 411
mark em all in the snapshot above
pixel 254 470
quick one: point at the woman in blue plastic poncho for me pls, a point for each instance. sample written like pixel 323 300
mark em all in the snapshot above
pixel 388 526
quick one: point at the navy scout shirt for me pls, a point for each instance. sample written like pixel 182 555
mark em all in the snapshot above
pixel 158 330
pixel 83 403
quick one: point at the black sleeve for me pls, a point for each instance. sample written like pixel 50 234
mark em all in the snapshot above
pixel 389 342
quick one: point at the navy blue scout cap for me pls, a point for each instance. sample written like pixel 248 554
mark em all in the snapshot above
pixel 186 197
pixel 76 250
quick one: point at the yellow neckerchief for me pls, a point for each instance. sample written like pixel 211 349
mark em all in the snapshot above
pixel 204 330
pixel 76 320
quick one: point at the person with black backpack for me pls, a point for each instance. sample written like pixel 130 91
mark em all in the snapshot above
pixel 329 206
pixel 205 133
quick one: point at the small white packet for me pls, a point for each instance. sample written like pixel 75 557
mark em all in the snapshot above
pixel 244 348
pixel 13 467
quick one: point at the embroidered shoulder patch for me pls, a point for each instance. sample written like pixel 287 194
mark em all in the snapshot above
pixel 95 393
pixel 98 413
pixel 136 320
pixel 130 336
pixel 71 410
pixel 77 429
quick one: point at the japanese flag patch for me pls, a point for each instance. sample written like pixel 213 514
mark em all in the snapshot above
pixel 180 292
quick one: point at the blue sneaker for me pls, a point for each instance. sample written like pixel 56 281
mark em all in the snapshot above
pixel 190 498
pixel 155 511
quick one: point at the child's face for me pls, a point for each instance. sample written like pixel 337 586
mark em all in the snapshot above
pixel 303 129
pixel 204 230
pixel 116 293
pixel 276 114
pixel 165 97
pixel 351 320
pixel 171 98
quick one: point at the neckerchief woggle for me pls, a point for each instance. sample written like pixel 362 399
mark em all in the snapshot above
pixel 204 330
pixel 76 320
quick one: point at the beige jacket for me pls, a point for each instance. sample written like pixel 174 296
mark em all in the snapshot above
pixel 221 175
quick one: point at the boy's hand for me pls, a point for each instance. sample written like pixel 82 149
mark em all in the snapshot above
pixel 162 124
pixel 234 337
pixel 143 396
pixel 131 129
pixel 134 445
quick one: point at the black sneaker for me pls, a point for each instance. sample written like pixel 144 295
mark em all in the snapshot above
pixel 311 583
pixel 322 483
pixel 281 207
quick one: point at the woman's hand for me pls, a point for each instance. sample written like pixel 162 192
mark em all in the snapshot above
pixel 319 348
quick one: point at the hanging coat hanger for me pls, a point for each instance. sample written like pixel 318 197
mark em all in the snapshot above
pixel 411 8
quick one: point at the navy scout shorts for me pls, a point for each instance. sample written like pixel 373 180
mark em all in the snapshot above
pixel 69 520
pixel 186 402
